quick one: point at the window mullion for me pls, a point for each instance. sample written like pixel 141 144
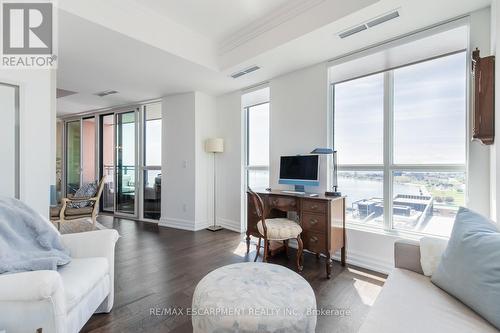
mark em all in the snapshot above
pixel 388 147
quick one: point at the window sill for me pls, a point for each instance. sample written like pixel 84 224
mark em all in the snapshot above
pixel 390 233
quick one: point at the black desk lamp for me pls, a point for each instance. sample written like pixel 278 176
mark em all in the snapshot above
pixel 330 151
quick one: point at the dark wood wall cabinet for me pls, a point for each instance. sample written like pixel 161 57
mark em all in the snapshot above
pixel 483 70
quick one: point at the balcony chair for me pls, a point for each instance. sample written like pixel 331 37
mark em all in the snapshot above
pixel 65 212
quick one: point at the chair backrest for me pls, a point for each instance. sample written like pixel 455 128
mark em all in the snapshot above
pixel 99 190
pixel 258 206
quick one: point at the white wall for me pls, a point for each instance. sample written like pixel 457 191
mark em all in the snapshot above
pixel 178 161
pixel 479 155
pixel 37 144
pixel 230 212
pixel 8 105
pixel 205 120
pixel 188 120
pixel 298 119
pixel 495 148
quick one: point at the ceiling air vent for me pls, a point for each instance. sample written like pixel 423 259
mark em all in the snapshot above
pixel 383 19
pixel 352 31
pixel 370 24
pixel 106 93
pixel 63 93
pixel 244 72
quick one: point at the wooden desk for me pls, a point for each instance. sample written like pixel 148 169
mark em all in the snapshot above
pixel 322 220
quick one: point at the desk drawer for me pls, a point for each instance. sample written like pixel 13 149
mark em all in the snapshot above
pixel 282 203
pixel 314 206
pixel 314 241
pixel 315 222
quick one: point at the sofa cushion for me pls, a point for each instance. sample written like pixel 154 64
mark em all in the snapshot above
pixel 470 265
pixel 409 302
pixel 80 276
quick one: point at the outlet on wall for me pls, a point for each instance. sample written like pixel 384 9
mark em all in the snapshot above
pixel 184 207
pixel 184 164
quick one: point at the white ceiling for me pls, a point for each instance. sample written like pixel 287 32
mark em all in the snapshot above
pixel 205 17
pixel 150 48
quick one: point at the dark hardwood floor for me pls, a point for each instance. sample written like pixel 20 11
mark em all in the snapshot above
pixel 159 267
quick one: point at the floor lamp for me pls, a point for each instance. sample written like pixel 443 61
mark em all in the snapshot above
pixel 214 146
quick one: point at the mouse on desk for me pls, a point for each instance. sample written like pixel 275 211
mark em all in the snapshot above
pixel 268 189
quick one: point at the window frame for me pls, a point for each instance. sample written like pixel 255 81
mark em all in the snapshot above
pixel 388 167
pixel 247 167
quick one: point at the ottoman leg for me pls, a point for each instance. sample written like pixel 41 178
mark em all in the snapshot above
pixel 299 253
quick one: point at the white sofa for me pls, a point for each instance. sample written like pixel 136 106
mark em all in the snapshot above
pixel 62 301
pixel 411 303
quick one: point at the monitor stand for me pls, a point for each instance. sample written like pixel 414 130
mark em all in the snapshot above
pixel 299 189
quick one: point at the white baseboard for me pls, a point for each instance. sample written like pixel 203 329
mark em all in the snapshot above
pixel 368 262
pixel 197 225
pixel 200 225
pixel 177 223
pixel 230 225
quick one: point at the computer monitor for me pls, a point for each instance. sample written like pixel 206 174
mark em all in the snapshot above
pixel 299 170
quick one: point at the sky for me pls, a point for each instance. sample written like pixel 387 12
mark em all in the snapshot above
pixel 429 115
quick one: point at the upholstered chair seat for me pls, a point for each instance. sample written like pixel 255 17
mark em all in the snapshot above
pixel 280 229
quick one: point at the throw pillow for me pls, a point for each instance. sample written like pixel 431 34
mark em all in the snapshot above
pixel 86 191
pixel 470 266
pixel 431 251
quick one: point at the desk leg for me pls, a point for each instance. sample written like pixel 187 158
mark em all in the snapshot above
pixel 248 243
pixel 328 265
pixel 342 255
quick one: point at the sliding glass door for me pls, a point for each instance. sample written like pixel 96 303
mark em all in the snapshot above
pixel 107 161
pixel 126 162
pixel 151 166
pixel 73 156
pixel 125 144
pixel 88 150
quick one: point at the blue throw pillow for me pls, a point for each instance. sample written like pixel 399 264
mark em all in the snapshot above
pixel 470 266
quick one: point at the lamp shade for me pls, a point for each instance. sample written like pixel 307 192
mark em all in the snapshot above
pixel 215 145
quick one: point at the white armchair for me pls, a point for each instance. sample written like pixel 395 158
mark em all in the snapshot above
pixel 62 301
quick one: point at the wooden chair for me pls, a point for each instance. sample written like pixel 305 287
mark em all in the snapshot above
pixel 277 229
pixel 64 213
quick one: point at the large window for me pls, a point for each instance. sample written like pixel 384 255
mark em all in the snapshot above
pixel 258 145
pixel 401 141
pixel 257 138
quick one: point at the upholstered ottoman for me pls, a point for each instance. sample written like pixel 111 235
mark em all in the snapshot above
pixel 253 297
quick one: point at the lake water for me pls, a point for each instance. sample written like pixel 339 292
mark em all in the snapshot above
pixel 358 189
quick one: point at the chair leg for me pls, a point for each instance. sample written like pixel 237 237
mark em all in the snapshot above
pixel 266 249
pixel 248 243
pixel 258 250
pixel 58 225
pixel 299 253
